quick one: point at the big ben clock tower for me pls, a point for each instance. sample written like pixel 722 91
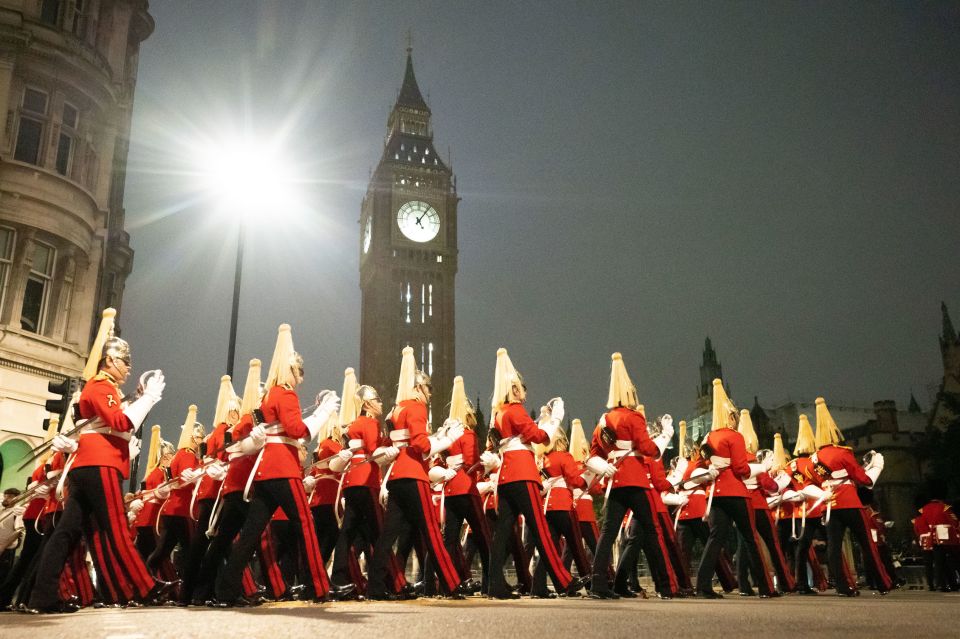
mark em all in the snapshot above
pixel 408 255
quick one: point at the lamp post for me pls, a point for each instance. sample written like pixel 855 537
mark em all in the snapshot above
pixel 234 312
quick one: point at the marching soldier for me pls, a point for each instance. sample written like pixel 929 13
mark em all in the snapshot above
pixel 146 507
pixel 728 502
pixel 175 521
pixel 410 506
pixel 838 473
pixel 277 479
pixel 518 481
pixel 101 459
pixel 938 533
pixel 809 510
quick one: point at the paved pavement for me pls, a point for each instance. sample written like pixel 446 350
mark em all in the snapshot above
pixel 901 614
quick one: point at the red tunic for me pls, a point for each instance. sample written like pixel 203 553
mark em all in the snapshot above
pixel 696 506
pixel 937 519
pixel 151 507
pixel 282 460
pixel 519 465
pixel 728 443
pixel 631 432
pixel 584 506
pixel 325 491
pixel 178 503
pixel 209 487
pixel 101 398
pixel 803 474
pixel 367 430
pixel 35 507
pixel 468 448
pixel 658 479
pixel 410 416
pixel 836 465
pixel 240 465
pixel 561 464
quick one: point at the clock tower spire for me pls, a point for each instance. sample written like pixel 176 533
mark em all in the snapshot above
pixel 408 254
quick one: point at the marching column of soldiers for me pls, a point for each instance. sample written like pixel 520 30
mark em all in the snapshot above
pixel 245 514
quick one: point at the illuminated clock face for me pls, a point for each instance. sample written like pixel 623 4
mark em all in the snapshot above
pixel 419 221
pixel 367 233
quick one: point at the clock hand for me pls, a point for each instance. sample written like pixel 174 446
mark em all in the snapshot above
pixel 419 224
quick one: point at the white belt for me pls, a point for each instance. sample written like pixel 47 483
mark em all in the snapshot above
pixel 402 435
pixel 839 474
pixel 54 473
pixel 105 430
pixel 232 456
pixel 836 483
pixel 289 441
pixel 454 460
pixel 560 483
pixel 586 496
pixel 514 444
pixel 750 483
pixel 716 459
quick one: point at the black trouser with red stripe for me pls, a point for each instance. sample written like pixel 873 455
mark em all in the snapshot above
pixel 804 554
pixel 691 530
pixel 736 511
pixel 521 563
pixel 515 499
pixel 28 554
pixel 175 530
pixel 763 520
pixel 854 519
pixel 361 527
pixel 637 500
pixel 326 527
pixel 467 508
pixel 561 524
pixel 410 511
pixel 198 548
pixel 94 491
pixel 268 495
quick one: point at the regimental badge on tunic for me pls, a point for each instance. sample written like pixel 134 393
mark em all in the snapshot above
pixel 111 401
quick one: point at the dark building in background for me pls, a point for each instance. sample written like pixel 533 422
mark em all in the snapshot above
pixel 408 254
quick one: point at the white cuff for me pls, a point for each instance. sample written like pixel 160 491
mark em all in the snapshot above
pixel 438 445
pixel 137 411
pixel 812 491
pixel 338 464
pixel 873 472
pixel 596 465
pixel 755 470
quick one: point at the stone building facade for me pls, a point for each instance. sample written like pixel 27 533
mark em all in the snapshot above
pixel 68 70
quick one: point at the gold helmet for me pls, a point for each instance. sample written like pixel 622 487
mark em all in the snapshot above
pixel 105 344
pixel 411 379
pixel 286 365
pixel 723 408
pixel 622 392
pixel 827 431
pixel 227 401
pixel 806 444
pixel 505 379
pixel 349 403
pixel 780 458
pixel 251 389
pixel 153 452
pixel 366 393
pixel 579 446
pixel 745 428
pixel 192 431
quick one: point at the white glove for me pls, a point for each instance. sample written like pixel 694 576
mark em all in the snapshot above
pixel 889 524
pixel 449 474
pixel 792 496
pixel 756 469
pixel 309 483
pixel 874 472
pixel 439 443
pixel 490 461
pixel 327 404
pixel 674 499
pixel 190 475
pixel 713 473
pixel 812 491
pixel 666 422
pixel 152 392
pixel 254 441
pixel 557 410
pixel 436 474
pixel 551 428
pixel 782 479
pixel 19 510
pixel 484 487
pixel 599 466
pixel 340 461
pixel 135 507
pixel 42 490
pixel 386 454
pixel 216 472
pixel 64 444
pixel 134 446
pixel 452 428
pixel 162 491
pixel 131 517
pixel 768 463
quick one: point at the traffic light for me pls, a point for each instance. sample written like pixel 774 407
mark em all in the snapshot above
pixel 65 389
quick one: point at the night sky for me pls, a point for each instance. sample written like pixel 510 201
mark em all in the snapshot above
pixel 782 177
